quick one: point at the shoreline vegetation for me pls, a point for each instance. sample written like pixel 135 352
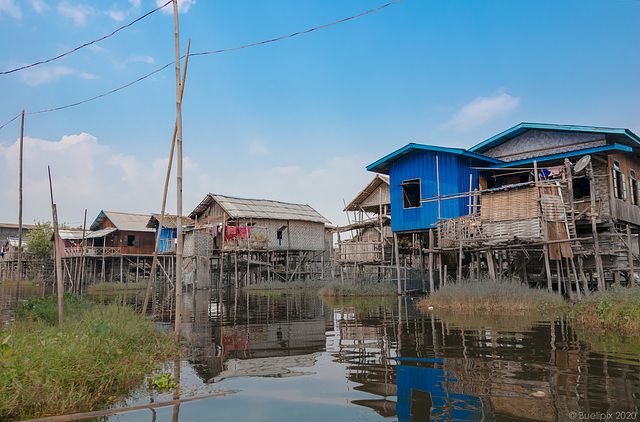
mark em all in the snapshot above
pixel 99 352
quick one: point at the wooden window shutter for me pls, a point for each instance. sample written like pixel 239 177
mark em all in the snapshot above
pixel 624 186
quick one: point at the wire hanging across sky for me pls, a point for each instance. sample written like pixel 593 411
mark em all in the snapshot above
pixel 85 44
pixel 199 54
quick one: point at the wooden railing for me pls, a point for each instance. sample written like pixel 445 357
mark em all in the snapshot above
pixel 92 251
pixel 359 252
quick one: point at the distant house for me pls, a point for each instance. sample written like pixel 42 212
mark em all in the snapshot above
pixel 11 230
pixel 126 232
pixel 421 177
pixel 370 226
pixel 259 223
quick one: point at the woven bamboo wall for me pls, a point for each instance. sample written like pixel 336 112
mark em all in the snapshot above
pixel 509 204
pixel 359 252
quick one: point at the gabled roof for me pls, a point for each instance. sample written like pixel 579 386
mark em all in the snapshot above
pixel 580 152
pixel 259 208
pixel 382 165
pixel 377 181
pixel 123 221
pixel 617 135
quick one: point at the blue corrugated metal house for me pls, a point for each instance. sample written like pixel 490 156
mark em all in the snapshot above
pixel 168 231
pixel 416 173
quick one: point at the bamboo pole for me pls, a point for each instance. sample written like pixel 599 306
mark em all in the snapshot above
pixel 630 278
pixel 431 245
pixel 56 247
pixel 179 176
pixel 20 202
pixel 154 263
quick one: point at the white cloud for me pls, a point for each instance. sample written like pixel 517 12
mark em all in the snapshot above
pixel 141 59
pixel 258 148
pixel 10 8
pixel 89 175
pixel 39 5
pixel 85 75
pixel 183 6
pixel 116 15
pixel 78 13
pixel 43 74
pixel 482 110
pixel 135 3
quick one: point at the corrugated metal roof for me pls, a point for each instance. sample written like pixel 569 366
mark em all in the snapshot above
pixel 624 136
pixel 260 208
pixel 124 221
pixel 67 234
pixel 382 165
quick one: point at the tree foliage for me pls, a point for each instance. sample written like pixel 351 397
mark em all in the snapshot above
pixel 39 241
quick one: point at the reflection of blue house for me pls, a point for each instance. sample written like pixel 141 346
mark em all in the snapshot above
pixel 419 173
pixel 424 394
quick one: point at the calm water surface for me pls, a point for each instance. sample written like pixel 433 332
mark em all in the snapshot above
pixel 295 357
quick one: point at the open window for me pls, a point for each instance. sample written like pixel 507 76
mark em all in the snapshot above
pixel 411 193
pixel 633 187
pixel 619 182
pixel 131 240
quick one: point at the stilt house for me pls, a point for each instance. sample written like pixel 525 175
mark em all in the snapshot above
pixel 550 203
pixel 368 239
pixel 128 233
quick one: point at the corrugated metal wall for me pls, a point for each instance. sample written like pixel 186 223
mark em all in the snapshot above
pixel 454 178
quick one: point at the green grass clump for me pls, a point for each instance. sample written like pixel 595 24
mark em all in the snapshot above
pixel 616 308
pixel 98 352
pixel 490 295
pixel 338 289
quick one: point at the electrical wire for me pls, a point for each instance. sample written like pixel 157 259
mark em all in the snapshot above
pixel 296 33
pixel 202 54
pixel 83 45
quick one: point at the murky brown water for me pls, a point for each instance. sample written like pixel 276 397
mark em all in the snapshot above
pixel 295 357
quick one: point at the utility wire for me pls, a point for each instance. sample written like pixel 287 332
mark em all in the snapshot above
pixel 202 54
pixel 83 45
pixel 296 33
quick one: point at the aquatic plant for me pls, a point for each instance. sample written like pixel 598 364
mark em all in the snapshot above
pixel 100 351
pixel 371 288
pixel 616 308
pixel 492 295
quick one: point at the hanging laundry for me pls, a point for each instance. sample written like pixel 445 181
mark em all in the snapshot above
pixel 230 232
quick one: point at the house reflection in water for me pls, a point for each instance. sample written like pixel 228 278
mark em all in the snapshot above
pixel 246 335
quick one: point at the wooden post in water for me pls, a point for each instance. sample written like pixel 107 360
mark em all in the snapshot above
pixel 630 277
pixel 20 203
pixel 397 251
pixel 594 226
pixel 56 247
pixel 431 246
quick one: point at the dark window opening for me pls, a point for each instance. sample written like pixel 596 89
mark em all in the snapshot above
pixel 581 188
pixel 279 234
pixel 131 240
pixel 411 193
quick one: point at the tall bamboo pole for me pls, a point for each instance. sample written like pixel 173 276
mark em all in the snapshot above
pixel 56 252
pixel 20 203
pixel 179 175
pixel 594 227
pixel 154 263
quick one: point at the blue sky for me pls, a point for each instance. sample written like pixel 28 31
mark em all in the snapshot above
pixel 296 120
